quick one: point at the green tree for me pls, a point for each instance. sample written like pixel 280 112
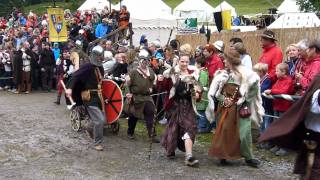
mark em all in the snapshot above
pixel 7 6
pixel 309 5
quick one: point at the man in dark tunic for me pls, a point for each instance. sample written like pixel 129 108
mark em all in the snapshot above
pixel 88 78
pixel 140 83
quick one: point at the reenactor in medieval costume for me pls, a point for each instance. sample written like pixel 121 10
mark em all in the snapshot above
pixel 181 83
pixel 65 68
pixel 86 82
pixel 78 56
pixel 237 90
pixel 140 104
pixel 299 129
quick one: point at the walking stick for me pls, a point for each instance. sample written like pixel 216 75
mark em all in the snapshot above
pixel 69 97
pixel 153 127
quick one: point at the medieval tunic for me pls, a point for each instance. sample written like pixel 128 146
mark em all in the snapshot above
pixel 233 135
pixel 180 112
pixel 140 87
pixel 294 127
pixel 85 78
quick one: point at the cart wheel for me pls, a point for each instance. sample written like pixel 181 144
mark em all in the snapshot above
pixel 75 120
pixel 115 127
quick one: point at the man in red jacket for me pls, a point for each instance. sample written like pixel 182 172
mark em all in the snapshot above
pixel 213 62
pixel 272 54
pixel 312 66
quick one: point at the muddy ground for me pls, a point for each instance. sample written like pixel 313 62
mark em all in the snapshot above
pixel 36 142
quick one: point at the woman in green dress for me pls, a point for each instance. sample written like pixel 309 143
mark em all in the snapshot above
pixel 237 90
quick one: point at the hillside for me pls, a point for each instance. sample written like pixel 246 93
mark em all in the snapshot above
pixel 242 6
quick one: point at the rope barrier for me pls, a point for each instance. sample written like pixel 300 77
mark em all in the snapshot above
pixel 282 96
pixel 5 78
pixel 115 78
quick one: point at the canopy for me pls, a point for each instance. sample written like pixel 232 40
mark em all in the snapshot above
pixel 195 9
pixel 224 6
pixel 149 13
pixel 143 5
pixel 98 4
pixel 288 6
pixel 296 20
pixel 152 18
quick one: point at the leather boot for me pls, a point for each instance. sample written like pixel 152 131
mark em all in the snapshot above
pixel 58 99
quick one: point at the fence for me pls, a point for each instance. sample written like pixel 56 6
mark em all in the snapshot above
pixel 252 40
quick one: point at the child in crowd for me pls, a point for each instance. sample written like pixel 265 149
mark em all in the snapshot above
pixel 292 53
pixel 284 85
pixel 203 103
pixel 265 83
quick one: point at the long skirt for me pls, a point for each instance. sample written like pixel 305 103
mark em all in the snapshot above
pixel 226 141
pixel 182 120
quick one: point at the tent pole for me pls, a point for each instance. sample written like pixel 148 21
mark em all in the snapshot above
pixel 109 5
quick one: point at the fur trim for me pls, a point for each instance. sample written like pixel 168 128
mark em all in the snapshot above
pixel 174 74
pixel 249 78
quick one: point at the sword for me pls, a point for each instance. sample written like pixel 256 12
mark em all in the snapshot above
pixel 69 97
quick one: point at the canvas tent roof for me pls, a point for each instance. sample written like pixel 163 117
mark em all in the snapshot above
pixel 288 6
pixel 224 6
pixel 98 4
pixel 296 20
pixel 146 13
pixel 194 9
pixel 147 4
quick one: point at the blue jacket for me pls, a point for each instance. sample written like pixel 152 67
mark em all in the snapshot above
pixel 23 21
pixel 265 84
pixel 56 53
pixel 102 30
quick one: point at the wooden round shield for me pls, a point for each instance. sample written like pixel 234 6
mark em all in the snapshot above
pixel 113 100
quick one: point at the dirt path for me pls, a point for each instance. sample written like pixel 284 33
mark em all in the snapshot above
pixel 36 142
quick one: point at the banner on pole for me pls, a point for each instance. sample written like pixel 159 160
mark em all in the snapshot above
pixel 57 25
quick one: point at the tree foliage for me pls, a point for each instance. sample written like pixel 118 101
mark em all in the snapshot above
pixel 309 5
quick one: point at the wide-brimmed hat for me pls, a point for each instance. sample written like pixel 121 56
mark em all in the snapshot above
pixel 269 35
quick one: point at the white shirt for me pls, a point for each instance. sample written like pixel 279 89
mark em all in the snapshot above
pixel 246 60
pixel 314 123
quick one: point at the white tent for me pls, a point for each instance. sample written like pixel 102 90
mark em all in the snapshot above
pixel 296 20
pixel 224 6
pixel 288 6
pixel 195 9
pixel 144 4
pixel 98 4
pixel 152 18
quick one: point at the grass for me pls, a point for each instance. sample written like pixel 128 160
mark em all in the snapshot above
pixel 242 6
pixel 203 140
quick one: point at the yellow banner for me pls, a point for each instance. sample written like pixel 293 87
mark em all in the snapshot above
pixel 226 20
pixel 57 25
